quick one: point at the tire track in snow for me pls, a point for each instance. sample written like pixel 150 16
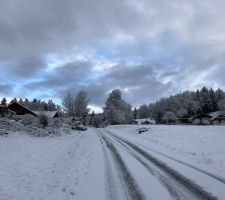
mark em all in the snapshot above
pixel 162 166
pixel 111 185
pixel 163 180
pixel 131 188
pixel 220 179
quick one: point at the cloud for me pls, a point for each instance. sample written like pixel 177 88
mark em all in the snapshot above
pixel 147 48
pixel 138 83
pixel 5 90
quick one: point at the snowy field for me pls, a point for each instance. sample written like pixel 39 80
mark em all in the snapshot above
pixel 115 163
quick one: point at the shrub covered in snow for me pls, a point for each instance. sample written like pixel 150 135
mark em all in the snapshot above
pixel 28 124
pixel 25 119
pixel 43 120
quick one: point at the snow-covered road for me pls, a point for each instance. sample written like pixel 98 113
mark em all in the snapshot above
pixel 154 176
pixel 113 163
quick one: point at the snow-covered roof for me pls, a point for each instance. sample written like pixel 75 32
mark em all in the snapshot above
pixel 49 114
pixel 212 115
pixel 217 114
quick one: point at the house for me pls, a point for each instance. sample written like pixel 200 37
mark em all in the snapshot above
pixel 218 118
pixel 49 114
pixel 20 109
pixel 145 121
pixel 185 119
pixel 201 119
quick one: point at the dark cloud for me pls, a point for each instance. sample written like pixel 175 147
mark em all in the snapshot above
pixel 146 48
pixel 5 90
pixel 138 83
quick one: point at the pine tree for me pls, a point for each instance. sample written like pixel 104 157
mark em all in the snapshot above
pixel 21 101
pixel 14 100
pixel 135 113
pixel 51 105
pixel 4 102
pixel 143 112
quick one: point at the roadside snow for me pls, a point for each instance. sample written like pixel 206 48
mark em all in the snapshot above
pixel 50 168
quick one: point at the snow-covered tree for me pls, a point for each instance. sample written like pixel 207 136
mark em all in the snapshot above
pixel 221 104
pixel 97 120
pixel 117 111
pixel 81 104
pixel 4 102
pixel 14 100
pixel 51 105
pixel 68 104
pixel 143 112
pixel 135 113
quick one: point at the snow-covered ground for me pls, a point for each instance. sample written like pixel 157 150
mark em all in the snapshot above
pixel 115 163
pixel 194 153
pixel 203 146
pixel 49 168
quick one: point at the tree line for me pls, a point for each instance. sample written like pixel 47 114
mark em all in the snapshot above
pixel 35 104
pixel 185 104
pixel 118 111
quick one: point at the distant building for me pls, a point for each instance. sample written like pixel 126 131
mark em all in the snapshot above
pixel 218 118
pixel 185 119
pixel 201 119
pixel 145 121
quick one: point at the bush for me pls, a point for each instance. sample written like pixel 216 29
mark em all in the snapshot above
pixel 43 120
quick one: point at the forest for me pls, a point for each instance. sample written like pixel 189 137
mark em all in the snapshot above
pixel 187 104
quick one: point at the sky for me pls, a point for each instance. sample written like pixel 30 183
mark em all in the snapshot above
pixel 146 48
